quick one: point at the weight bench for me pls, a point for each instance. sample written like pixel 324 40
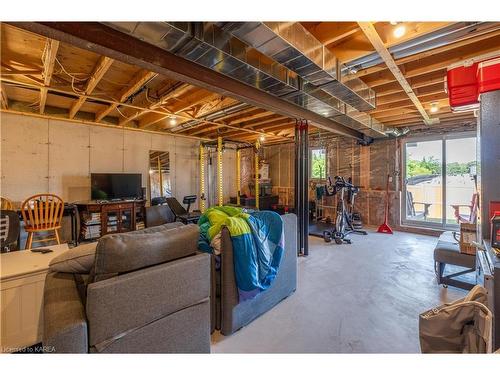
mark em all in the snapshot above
pixel 447 252
pixel 181 214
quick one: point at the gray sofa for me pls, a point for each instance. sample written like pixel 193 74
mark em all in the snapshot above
pixel 228 314
pixel 147 292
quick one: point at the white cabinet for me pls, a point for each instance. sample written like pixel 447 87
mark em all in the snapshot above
pixel 21 297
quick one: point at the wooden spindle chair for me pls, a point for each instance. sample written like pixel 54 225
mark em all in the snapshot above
pixel 42 213
pixel 6 204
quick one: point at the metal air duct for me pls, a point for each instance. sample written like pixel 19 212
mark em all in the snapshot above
pixel 210 46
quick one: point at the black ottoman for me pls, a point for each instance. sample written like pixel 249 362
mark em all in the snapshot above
pixel 447 251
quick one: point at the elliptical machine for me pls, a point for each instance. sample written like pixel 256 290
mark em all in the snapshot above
pixel 344 220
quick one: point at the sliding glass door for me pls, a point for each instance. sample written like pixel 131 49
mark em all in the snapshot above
pixel 438 180
pixel 460 179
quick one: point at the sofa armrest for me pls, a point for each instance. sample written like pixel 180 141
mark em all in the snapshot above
pixel 65 324
pixel 143 297
pixel 287 270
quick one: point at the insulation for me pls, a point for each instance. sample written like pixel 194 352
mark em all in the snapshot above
pixel 368 166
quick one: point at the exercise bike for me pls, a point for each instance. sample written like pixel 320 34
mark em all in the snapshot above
pixel 344 220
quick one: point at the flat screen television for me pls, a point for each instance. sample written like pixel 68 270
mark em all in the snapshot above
pixel 108 186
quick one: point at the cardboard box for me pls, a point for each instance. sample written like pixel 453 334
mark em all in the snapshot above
pixel 468 235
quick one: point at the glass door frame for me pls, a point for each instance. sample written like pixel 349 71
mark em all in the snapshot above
pixel 439 137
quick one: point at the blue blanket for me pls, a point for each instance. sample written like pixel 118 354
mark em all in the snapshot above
pixel 258 244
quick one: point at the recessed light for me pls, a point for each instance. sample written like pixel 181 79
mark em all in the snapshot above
pixel 172 121
pixel 399 31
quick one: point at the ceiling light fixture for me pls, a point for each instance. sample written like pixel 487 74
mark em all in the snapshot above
pixel 262 138
pixel 172 121
pixel 399 31
pixel 393 23
pixel 434 108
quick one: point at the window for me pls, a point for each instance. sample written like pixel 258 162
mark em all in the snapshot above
pixel 439 187
pixel 318 163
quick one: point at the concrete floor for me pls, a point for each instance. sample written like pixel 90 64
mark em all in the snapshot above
pixel 359 298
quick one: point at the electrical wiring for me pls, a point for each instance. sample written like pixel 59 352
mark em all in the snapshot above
pixel 121 113
pixel 74 78
pixel 71 75
pixel 114 82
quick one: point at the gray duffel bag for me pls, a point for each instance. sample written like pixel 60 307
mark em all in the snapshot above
pixel 462 326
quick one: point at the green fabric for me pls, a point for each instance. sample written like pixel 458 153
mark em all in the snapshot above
pixel 213 219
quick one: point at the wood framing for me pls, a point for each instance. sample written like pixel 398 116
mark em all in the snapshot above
pixel 90 72
pixel 379 46
pixel 49 60
pixel 134 85
pixel 100 69
pixel 106 41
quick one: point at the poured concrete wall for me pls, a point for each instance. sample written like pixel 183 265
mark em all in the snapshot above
pixel 40 155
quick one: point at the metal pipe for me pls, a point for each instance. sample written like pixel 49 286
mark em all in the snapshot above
pixel 447 35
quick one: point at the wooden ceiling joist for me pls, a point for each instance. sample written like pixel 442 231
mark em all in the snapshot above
pixel 142 90
pixel 139 80
pixel 99 71
pixel 151 119
pixel 159 110
pixel 471 40
pixel 254 116
pixel 435 63
pixel 379 46
pixel 104 40
pixel 49 60
pixel 332 32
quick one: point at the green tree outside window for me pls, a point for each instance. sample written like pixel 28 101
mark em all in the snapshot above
pixel 318 163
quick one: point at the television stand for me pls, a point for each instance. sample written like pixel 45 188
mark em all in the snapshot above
pixel 98 218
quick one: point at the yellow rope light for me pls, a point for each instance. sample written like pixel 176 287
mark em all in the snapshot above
pixel 202 178
pixel 238 176
pixel 257 146
pixel 160 175
pixel 219 170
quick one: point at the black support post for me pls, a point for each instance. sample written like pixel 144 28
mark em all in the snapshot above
pixel 297 191
pixel 305 186
pixel 301 184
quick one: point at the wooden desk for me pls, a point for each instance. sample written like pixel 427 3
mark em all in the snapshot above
pixel 22 279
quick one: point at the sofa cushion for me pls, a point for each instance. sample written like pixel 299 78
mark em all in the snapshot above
pixel 77 260
pixel 126 252
pixel 447 251
pixel 161 227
